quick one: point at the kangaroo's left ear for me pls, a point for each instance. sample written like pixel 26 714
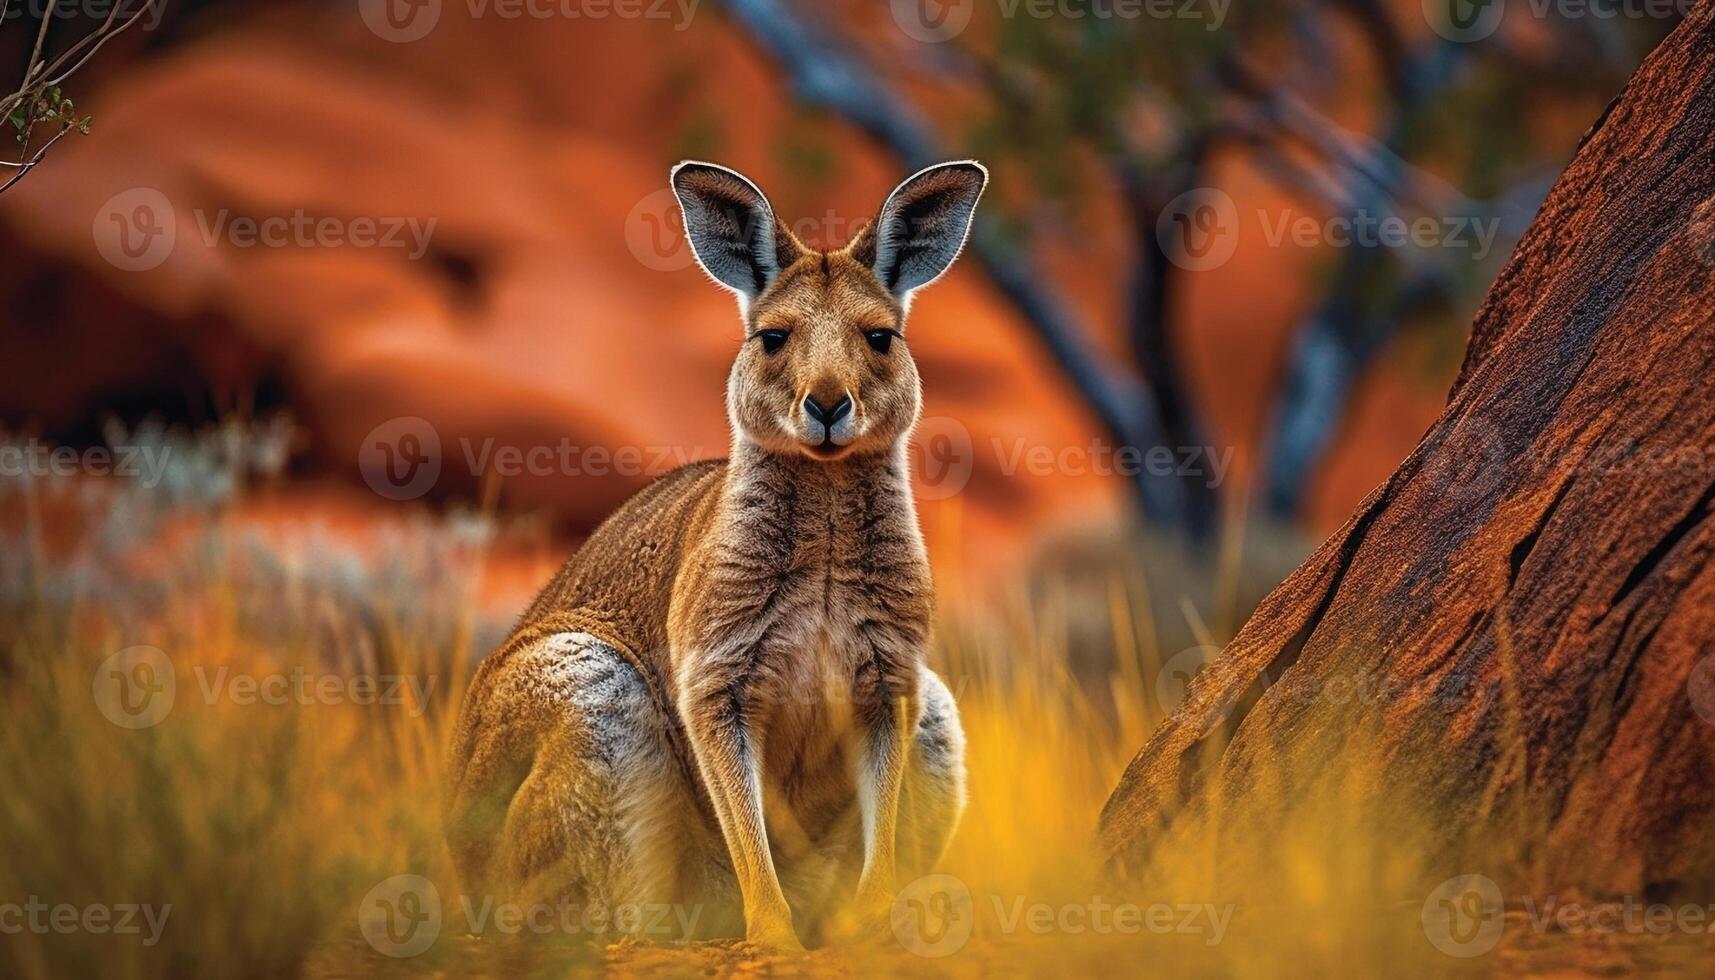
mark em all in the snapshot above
pixel 731 228
pixel 923 226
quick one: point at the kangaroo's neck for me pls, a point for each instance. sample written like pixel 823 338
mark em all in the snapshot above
pixel 833 534
pixel 880 480
pixel 864 500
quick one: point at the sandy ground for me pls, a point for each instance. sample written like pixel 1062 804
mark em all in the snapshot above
pixel 1522 951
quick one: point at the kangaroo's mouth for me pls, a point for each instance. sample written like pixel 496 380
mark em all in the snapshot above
pixel 826 449
pixel 823 442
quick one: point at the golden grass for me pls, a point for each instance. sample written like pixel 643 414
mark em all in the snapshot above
pixel 264 825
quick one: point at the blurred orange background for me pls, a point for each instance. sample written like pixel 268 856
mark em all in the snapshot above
pixel 551 298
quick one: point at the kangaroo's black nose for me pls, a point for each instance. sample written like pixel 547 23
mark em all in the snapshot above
pixel 829 416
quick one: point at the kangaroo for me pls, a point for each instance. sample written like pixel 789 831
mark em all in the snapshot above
pixel 720 704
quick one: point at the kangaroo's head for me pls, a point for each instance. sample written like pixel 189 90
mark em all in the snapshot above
pixel 825 370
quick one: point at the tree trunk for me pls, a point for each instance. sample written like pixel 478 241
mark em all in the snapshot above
pixel 1530 597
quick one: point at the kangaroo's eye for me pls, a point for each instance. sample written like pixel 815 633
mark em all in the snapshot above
pixel 881 341
pixel 772 340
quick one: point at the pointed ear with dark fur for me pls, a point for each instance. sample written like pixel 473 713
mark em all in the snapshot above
pixel 731 228
pixel 923 226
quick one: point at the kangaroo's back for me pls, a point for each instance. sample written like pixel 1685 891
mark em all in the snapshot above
pixel 601 619
pixel 618 586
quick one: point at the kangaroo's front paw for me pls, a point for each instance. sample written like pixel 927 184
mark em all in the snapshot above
pixel 874 900
pixel 865 920
pixel 774 934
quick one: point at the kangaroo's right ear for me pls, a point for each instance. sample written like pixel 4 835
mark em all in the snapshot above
pixel 731 228
pixel 922 227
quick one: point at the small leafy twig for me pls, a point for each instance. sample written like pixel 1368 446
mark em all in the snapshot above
pixel 26 166
pixel 39 99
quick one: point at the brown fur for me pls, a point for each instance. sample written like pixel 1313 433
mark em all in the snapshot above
pixel 721 700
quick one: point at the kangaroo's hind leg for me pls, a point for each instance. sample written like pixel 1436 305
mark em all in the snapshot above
pixel 931 801
pixel 933 796
pixel 567 788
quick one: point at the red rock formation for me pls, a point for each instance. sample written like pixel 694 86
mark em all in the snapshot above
pixel 1533 588
pixel 540 313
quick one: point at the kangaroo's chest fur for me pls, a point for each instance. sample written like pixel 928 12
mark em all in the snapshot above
pixel 800 589
pixel 809 599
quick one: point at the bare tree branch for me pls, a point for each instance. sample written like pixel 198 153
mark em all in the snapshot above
pixel 99 37
pixel 1337 341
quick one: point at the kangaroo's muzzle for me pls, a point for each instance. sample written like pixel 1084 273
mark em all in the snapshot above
pixel 829 425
